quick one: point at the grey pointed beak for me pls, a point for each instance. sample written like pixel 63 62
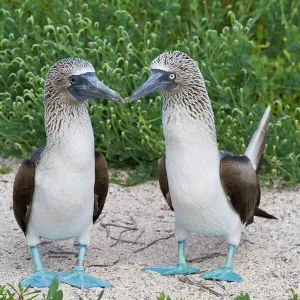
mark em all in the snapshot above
pixel 154 83
pixel 87 86
pixel 103 91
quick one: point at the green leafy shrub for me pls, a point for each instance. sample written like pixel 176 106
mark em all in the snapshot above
pixel 162 296
pixel 248 52
pixel 5 169
pixel 294 294
pixel 242 297
pixel 55 294
pixel 21 293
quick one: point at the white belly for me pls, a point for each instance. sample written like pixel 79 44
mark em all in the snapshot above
pixel 192 163
pixel 200 203
pixel 63 199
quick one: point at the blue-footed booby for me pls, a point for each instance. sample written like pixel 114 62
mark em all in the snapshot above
pixel 61 189
pixel 212 192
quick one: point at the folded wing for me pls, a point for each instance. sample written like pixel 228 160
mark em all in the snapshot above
pixel 24 188
pixel 101 184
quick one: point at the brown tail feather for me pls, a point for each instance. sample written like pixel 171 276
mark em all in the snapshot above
pixel 257 144
pixel 261 213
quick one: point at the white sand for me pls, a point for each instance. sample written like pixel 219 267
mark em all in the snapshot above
pixel 268 258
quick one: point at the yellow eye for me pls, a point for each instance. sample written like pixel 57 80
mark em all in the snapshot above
pixel 172 76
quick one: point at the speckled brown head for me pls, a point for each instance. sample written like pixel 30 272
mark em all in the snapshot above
pixel 73 80
pixel 172 72
pixel 179 79
pixel 69 84
pixel 181 70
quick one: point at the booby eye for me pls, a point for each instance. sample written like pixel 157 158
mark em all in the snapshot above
pixel 72 80
pixel 172 76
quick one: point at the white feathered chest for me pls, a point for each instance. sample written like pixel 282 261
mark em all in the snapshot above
pixel 192 163
pixel 63 199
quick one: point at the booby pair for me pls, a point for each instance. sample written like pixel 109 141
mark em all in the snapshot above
pixel 61 189
pixel 212 192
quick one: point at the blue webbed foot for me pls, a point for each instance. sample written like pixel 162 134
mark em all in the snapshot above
pixel 80 279
pixel 178 269
pixel 224 274
pixel 39 278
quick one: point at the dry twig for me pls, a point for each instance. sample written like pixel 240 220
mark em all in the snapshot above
pixel 154 242
pixel 102 216
pixel 218 283
pixel 119 238
pixel 125 241
pixel 121 233
pixel 135 241
pixel 117 225
pixel 59 256
pixel 247 241
pixel 110 265
pixel 54 252
pixel 200 285
pixel 104 225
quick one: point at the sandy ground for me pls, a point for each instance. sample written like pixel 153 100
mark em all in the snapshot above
pixel 267 259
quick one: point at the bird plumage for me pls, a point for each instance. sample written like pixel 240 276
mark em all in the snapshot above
pixel 257 143
pixel 212 192
pixel 101 184
pixel 227 158
pixel 24 185
pixel 61 189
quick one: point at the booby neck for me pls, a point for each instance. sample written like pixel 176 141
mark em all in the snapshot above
pixel 190 104
pixel 61 116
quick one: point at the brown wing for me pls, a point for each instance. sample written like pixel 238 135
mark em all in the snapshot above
pixel 24 188
pixel 241 185
pixel 101 184
pixel 163 180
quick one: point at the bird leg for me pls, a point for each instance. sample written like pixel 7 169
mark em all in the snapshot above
pixel 40 277
pixel 78 277
pixel 226 272
pixel 180 268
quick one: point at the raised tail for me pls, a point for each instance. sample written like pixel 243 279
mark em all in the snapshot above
pixel 255 151
pixel 257 144
pixel 263 214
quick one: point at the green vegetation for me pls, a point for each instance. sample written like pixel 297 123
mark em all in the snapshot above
pixel 5 169
pixel 248 52
pixel 21 293
pixel 294 294
pixel 247 297
pixel 54 293
pixel 162 296
pixel 242 297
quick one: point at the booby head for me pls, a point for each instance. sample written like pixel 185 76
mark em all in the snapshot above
pixel 75 80
pixel 172 72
